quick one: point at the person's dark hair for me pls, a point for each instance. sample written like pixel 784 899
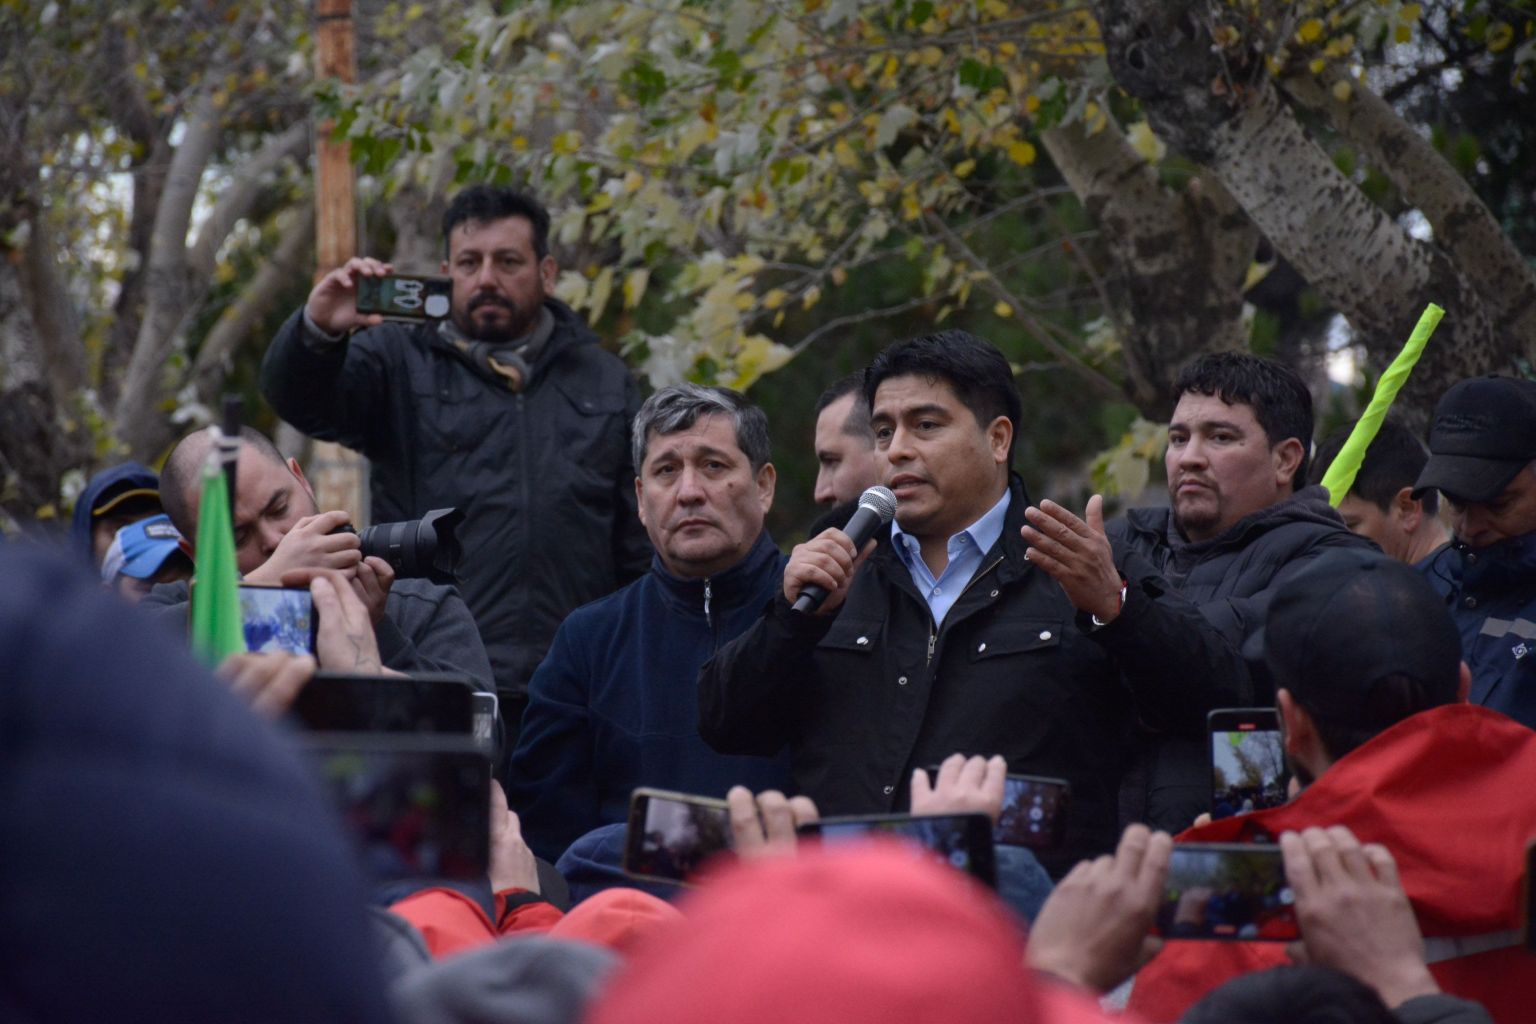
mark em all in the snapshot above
pixel 976 371
pixel 1308 994
pixel 1394 460
pixel 1388 700
pixel 1278 396
pixel 181 478
pixel 680 406
pixel 857 422
pixel 485 203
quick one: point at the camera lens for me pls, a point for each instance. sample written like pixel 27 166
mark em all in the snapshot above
pixel 426 548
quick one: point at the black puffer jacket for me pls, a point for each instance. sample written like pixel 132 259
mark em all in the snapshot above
pixel 544 476
pixel 869 694
pixel 1230 578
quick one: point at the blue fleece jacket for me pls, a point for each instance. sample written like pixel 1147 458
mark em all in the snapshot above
pixel 614 705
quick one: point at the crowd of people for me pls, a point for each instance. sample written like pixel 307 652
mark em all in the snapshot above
pixel 623 607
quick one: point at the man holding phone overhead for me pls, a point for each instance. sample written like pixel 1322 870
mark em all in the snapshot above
pixel 283 539
pixel 507 409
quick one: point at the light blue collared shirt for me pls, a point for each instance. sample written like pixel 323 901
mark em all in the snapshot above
pixel 966 549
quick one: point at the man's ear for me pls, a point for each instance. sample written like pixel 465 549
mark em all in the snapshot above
pixel 640 501
pixel 442 268
pixel 186 549
pixel 767 477
pixel 549 270
pixel 1000 438
pixel 1408 512
pixel 1300 734
pixel 1464 684
pixel 1287 456
pixel 293 467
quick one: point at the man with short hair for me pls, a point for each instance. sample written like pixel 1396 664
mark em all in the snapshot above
pixel 950 636
pixel 845 445
pixel 1381 504
pixel 111 500
pixel 1482 444
pixel 1370 690
pixel 283 539
pixel 509 411
pixel 1240 524
pixel 615 704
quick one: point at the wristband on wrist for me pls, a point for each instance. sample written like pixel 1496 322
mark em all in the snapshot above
pixel 1100 623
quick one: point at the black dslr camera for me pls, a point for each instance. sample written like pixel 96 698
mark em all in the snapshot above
pixel 425 548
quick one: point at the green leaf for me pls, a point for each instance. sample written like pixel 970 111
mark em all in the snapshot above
pixel 644 83
pixel 981 77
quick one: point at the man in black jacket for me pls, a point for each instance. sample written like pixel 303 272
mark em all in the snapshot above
pixel 1239 526
pixel 508 410
pixel 941 636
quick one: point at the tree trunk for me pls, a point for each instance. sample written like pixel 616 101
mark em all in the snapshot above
pixel 1229 116
pixel 1463 226
pixel 1178 261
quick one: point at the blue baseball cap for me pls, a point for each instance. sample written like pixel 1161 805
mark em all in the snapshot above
pixel 140 549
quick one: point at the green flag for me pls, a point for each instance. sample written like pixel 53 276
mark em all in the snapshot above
pixel 216 627
pixel 1346 465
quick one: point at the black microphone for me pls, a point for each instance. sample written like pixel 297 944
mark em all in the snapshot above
pixel 876 508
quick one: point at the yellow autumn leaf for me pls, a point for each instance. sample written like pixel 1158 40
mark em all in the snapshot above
pixel 1031 104
pixel 634 287
pixel 1500 35
pixel 602 287
pixel 1411 12
pixel 839 275
pixel 1021 153
pixel 1310 31
pixel 775 298
pixel 1342 91
pixel 1002 309
pixel 811 297
pixel 911 209
pixel 1145 141
pixel 964 168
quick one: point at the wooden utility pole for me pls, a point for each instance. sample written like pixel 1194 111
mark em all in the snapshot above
pixel 339 475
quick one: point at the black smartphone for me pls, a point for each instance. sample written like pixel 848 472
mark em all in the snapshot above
pixel 963 841
pixel 485 712
pixel 416 806
pixel 1248 768
pixel 278 619
pixel 422 703
pixel 1227 891
pixel 1034 811
pixel 405 296
pixel 671 835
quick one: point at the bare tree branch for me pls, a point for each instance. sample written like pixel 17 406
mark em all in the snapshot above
pixel 240 196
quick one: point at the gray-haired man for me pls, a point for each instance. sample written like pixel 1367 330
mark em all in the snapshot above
pixel 615 703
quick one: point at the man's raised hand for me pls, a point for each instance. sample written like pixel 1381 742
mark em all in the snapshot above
pixel 1076 554
pixel 312 544
pixel 964 786
pixel 332 304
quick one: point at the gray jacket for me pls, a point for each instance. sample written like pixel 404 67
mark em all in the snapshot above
pixel 1230 578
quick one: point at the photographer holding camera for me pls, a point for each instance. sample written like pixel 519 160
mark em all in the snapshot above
pixel 283 539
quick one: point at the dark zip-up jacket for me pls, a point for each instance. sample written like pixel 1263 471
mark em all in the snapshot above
pixel 615 704
pixel 1491 593
pixel 1231 579
pixel 868 694
pixel 543 476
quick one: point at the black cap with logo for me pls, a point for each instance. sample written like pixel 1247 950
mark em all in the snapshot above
pixel 1483 435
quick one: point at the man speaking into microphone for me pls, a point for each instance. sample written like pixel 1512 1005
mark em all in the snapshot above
pixel 939 634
